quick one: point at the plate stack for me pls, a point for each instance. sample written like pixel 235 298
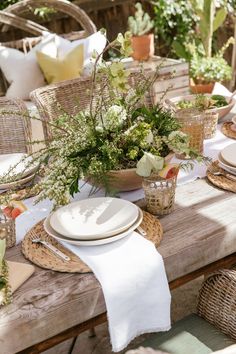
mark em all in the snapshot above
pixel 19 173
pixel 227 159
pixel 94 221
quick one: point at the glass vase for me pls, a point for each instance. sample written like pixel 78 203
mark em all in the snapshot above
pixel 7 230
pixel 192 123
pixel 159 194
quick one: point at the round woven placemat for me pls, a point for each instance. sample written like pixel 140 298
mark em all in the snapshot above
pixel 227 131
pixel 221 181
pixel 44 258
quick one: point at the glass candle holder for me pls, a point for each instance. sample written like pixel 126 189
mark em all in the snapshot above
pixel 159 194
pixel 192 123
pixel 7 230
pixel 210 123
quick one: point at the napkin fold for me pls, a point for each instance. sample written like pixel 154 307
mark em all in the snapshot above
pixel 133 279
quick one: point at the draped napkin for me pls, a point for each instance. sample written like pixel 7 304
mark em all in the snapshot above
pixel 133 279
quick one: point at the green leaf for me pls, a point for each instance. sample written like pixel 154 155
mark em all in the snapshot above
pixel 219 18
pixel 180 50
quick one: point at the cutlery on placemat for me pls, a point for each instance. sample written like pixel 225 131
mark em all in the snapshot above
pixel 141 231
pixel 214 170
pixel 52 248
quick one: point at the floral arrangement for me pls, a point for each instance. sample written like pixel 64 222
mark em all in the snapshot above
pixel 118 130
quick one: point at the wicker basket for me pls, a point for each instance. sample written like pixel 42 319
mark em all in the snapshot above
pixel 159 194
pixel 217 301
pixel 7 230
pixel 210 124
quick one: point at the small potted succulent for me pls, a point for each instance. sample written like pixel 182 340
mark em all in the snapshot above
pixel 206 68
pixel 142 40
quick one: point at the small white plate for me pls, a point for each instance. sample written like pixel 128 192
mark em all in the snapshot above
pixel 100 217
pixel 229 154
pixel 223 164
pixel 103 241
pixel 20 171
pixel 17 183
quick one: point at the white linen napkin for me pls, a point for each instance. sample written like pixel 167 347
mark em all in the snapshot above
pixel 133 279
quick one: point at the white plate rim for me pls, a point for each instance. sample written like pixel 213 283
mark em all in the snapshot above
pixel 227 158
pixel 103 241
pixel 224 165
pixel 28 172
pixel 102 234
pixel 19 182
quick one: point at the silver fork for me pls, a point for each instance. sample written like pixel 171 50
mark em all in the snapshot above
pixel 214 170
pixel 49 246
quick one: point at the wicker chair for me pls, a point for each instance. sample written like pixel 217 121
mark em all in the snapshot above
pixel 214 326
pixel 10 17
pixel 74 95
pixel 15 131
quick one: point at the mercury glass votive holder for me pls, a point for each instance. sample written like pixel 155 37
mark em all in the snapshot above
pixel 159 194
pixel 7 230
pixel 210 123
pixel 192 123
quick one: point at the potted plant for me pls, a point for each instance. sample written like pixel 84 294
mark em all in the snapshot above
pixel 104 143
pixel 206 69
pixel 142 40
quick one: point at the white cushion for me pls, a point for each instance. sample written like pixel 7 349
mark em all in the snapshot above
pixel 96 42
pixel 22 70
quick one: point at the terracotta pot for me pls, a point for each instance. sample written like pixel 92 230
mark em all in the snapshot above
pixel 143 46
pixel 201 88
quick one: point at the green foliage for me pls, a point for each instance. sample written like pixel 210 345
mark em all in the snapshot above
pixel 140 23
pixel 206 70
pixel 6 3
pixel 174 24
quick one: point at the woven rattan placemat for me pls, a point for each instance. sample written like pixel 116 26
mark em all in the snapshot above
pixel 221 181
pixel 44 258
pixel 227 131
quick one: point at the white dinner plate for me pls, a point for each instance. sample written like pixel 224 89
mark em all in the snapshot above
pixel 229 154
pixel 17 183
pixel 223 164
pixel 98 242
pixel 20 170
pixel 101 217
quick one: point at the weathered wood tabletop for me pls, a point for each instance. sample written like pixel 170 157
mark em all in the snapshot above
pixel 201 230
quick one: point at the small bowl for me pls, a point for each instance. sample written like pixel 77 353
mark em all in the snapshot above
pixel 222 111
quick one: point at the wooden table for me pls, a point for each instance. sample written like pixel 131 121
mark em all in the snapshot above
pixel 199 236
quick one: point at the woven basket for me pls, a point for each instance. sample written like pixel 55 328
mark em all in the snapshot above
pixel 217 301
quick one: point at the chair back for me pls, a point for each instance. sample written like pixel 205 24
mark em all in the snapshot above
pixel 72 96
pixel 10 17
pixel 15 128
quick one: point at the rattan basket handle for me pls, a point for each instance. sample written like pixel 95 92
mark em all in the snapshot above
pixel 21 23
pixel 63 6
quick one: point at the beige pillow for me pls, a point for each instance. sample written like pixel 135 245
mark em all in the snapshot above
pixel 59 69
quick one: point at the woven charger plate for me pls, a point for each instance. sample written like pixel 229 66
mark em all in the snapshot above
pixel 227 131
pixel 44 258
pixel 221 181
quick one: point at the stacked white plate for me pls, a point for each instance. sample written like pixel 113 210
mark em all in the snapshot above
pixel 19 173
pixel 94 221
pixel 227 159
